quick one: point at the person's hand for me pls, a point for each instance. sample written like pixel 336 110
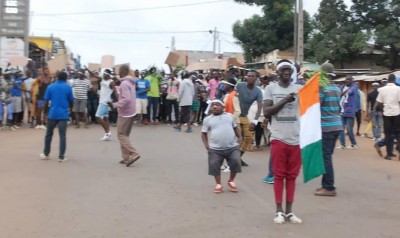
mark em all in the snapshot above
pixel 207 147
pixel 252 127
pixel 290 98
pixel 264 124
pixel 240 140
pixel 109 103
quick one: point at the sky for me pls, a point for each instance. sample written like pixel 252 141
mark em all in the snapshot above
pixel 140 32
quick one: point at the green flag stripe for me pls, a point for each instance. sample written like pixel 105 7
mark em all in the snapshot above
pixel 313 162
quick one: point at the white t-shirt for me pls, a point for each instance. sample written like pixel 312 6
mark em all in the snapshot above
pixel 390 97
pixel 285 125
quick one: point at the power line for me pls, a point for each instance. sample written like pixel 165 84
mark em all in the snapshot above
pixel 129 10
pixel 122 32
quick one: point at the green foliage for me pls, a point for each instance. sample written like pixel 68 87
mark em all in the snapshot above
pixel 336 37
pixel 272 30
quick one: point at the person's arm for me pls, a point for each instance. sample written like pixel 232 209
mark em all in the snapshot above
pixel 378 103
pixel 204 138
pixel 92 74
pixel 238 135
pixel 271 109
pixel 125 97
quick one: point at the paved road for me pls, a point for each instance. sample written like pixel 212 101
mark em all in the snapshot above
pixel 168 193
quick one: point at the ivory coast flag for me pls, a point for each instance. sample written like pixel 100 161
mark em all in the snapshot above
pixel 310 129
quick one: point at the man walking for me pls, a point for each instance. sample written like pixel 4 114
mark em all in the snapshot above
pixel 185 99
pixel 374 115
pixel 248 93
pixel 331 124
pixel 389 98
pixel 59 94
pixel 107 88
pixel 126 106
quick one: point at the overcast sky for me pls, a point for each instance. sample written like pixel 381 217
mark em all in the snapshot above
pixel 86 34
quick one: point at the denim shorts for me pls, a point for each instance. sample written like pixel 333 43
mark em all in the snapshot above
pixel 102 110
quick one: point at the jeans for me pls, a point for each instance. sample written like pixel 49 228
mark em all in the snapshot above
pixel 348 124
pixel 153 103
pixel 376 118
pixel 270 168
pixel 170 104
pixel 92 104
pixel 62 131
pixel 259 131
pixel 328 146
pixel 10 108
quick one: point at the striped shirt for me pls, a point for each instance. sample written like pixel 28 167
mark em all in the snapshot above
pixel 330 109
pixel 81 87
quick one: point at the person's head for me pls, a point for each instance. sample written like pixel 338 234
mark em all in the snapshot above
pixel 285 70
pixel 215 74
pixel 162 73
pixel 62 76
pixel 392 78
pixel 107 74
pixel 384 81
pixel 251 78
pixel 265 80
pixel 45 72
pixel 185 74
pixel 143 73
pixel 229 85
pixel 273 77
pixel 123 70
pixel 328 68
pixel 375 86
pixel 348 81
pixel 18 73
pixel 357 84
pixel 28 73
pixel 81 74
pixel 217 107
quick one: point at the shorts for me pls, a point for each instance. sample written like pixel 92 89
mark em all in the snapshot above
pixel 216 158
pixel 141 105
pixel 80 105
pixel 40 104
pixel 102 111
pixel 195 106
pixel 17 102
pixel 185 114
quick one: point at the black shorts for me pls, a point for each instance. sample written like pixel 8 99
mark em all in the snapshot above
pixel 185 114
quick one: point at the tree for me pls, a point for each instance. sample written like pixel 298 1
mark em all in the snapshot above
pixel 336 37
pixel 274 29
pixel 381 19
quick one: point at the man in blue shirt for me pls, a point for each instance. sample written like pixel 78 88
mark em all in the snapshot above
pixel 348 111
pixel 60 96
pixel 142 87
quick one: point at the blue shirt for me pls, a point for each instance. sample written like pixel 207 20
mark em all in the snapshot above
pixel 349 103
pixel 60 96
pixel 330 109
pixel 15 91
pixel 141 86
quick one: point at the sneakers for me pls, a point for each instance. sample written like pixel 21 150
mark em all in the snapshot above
pixel 378 149
pixel 195 124
pixel 145 122
pixel 218 189
pixel 44 157
pixel 106 137
pixel 293 218
pixel 227 169
pixel 132 159
pixel 279 218
pixel 244 163
pixel 177 129
pixel 268 179
pixel 62 160
pixel 189 130
pixel 341 147
pixel 325 193
pixel 352 147
pixel 15 127
pixel 232 186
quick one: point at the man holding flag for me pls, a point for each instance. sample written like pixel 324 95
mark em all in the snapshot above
pixel 331 124
pixel 282 106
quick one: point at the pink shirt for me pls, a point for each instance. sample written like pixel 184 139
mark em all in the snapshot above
pixel 213 84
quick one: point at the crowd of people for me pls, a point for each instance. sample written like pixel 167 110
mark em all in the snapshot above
pixel 235 111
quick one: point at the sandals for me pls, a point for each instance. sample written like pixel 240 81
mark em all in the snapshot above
pixel 280 218
pixel 218 189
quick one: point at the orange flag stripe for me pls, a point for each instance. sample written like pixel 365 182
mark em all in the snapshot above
pixel 309 94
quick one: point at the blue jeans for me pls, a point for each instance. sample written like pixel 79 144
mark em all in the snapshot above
pixel 10 110
pixel 153 102
pixel 270 169
pixel 348 125
pixel 376 118
pixel 62 131
pixel 328 146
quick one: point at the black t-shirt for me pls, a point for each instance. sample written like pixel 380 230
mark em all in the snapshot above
pixel 372 98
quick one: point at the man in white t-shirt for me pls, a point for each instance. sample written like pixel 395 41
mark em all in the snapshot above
pixel 389 98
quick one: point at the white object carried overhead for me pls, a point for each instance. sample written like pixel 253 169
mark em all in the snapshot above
pixel 107 61
pixel 207 65
pixel 19 60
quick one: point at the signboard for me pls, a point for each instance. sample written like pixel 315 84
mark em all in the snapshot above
pixel 58 63
pixel 14 18
pixel 10 47
pixel 107 61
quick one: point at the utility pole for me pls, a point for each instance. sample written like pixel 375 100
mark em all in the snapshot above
pixel 216 36
pixel 173 44
pixel 299 32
